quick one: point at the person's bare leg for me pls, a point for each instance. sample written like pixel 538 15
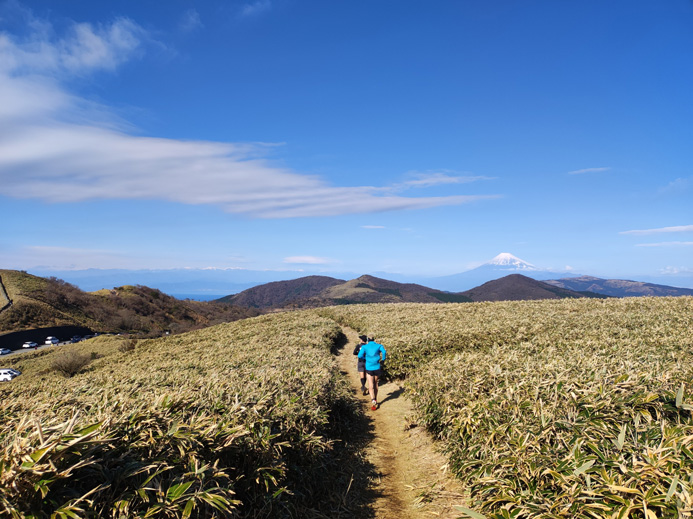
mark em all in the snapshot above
pixel 373 390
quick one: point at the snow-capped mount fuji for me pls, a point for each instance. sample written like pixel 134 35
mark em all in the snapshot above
pixel 502 265
pixel 507 260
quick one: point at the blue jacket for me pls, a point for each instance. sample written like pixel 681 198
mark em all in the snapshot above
pixel 371 352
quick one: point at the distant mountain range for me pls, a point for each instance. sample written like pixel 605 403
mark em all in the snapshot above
pixel 214 283
pixel 619 287
pixel 30 302
pixel 317 291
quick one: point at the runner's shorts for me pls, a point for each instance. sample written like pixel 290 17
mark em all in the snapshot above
pixel 361 366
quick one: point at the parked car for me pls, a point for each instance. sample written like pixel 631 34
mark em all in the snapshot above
pixel 75 338
pixel 4 351
pixel 52 340
pixel 29 344
pixel 7 374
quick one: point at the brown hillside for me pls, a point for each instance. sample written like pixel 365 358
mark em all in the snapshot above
pixel 281 293
pixel 370 289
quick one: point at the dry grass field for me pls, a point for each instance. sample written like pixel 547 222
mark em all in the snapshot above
pixel 572 408
pixel 561 409
pixel 222 421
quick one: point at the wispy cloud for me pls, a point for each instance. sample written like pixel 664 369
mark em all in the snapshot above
pixel 308 260
pixel 674 271
pixel 84 49
pixel 677 186
pixel 55 146
pixel 372 227
pixel 667 244
pixel 418 179
pixel 661 230
pixel 190 21
pixel 67 258
pixel 256 8
pixel 588 170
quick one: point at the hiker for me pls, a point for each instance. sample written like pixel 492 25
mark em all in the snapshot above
pixel 372 351
pixel 361 363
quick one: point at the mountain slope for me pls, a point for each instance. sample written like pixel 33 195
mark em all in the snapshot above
pixel 517 287
pixel 280 293
pixel 618 287
pixel 38 303
pixel 370 289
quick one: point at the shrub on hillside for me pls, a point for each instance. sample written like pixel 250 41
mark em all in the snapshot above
pixel 70 363
pixel 128 345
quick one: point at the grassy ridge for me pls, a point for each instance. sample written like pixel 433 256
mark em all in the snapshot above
pixel 46 302
pixel 574 408
pixel 223 421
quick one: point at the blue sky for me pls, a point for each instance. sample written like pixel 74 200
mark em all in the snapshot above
pixel 399 136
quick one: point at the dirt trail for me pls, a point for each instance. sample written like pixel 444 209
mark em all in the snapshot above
pixel 413 481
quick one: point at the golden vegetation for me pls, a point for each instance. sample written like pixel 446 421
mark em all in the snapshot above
pixel 572 408
pixel 235 419
pixel 562 409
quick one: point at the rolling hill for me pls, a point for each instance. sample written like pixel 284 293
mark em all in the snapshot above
pixel 517 287
pixel 37 302
pixel 279 293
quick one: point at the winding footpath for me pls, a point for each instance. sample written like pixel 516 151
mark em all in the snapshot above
pixel 413 481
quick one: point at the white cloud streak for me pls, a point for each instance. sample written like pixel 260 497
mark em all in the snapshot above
pixel 67 258
pixel 588 170
pixel 661 230
pixel 56 147
pixel 372 227
pixel 307 260
pixel 438 178
pixel 667 244
pixel 675 271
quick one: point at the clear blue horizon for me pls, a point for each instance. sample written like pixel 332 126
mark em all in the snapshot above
pixel 402 137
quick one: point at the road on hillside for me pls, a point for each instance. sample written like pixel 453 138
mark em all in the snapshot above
pixel 39 347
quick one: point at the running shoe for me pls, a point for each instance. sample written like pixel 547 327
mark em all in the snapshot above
pixel 365 391
pixel 374 405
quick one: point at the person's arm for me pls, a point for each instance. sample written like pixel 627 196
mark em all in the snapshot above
pixel 382 350
pixel 357 349
pixel 362 353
